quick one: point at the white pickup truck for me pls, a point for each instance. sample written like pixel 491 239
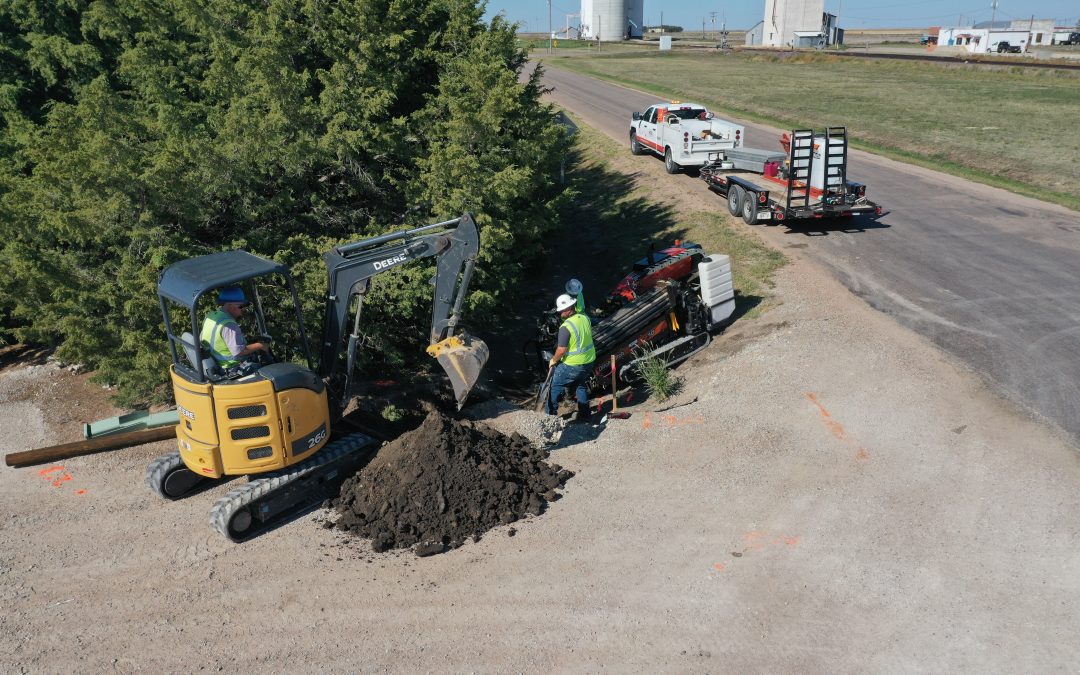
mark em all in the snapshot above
pixel 684 134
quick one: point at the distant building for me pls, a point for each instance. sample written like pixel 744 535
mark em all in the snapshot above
pixel 754 35
pixel 794 23
pixel 612 20
pixel 981 40
pixel 1042 30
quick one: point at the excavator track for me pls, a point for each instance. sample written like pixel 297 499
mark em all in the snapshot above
pixel 170 478
pixel 250 509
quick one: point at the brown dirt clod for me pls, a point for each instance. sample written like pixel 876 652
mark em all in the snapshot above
pixel 443 483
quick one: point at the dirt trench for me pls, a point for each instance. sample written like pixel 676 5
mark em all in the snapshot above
pixel 445 482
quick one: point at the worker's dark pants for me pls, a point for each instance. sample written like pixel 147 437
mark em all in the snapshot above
pixel 570 376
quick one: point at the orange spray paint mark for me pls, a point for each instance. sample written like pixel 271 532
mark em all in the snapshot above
pixel 61 480
pixel 80 492
pixel 646 422
pixel 762 539
pixel 754 540
pixel 51 469
pixel 719 567
pixel 835 427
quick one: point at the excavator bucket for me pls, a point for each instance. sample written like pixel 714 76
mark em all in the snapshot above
pixel 462 357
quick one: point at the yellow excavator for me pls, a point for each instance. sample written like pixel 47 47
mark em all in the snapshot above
pixel 272 419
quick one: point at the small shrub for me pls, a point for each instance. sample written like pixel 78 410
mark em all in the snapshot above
pixel 659 381
pixel 392 413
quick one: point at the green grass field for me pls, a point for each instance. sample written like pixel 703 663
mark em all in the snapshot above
pixel 1010 127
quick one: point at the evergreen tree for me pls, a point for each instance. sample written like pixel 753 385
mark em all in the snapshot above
pixel 135 133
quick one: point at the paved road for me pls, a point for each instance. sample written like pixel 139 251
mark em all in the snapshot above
pixel 991 277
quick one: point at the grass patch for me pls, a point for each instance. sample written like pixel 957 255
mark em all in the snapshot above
pixel 659 381
pixel 1007 127
pixel 631 213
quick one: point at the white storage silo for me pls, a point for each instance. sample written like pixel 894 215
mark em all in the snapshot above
pixel 611 20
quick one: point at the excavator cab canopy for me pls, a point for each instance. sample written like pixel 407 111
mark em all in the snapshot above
pixel 186 282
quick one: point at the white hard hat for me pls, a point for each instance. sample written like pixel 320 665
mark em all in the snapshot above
pixel 564 301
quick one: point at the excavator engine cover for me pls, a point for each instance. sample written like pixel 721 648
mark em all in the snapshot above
pixel 462 357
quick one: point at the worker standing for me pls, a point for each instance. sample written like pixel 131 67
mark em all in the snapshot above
pixel 573 358
pixel 221 331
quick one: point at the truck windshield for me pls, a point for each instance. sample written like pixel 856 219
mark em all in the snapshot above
pixel 687 113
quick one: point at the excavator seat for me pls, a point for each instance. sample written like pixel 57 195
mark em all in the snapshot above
pixel 210 366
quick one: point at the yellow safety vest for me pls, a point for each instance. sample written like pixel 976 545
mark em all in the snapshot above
pixel 211 335
pixel 580 350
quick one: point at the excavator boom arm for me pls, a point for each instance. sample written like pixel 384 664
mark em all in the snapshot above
pixel 350 269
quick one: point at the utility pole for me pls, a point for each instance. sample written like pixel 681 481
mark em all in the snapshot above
pixel 993 15
pixel 702 28
pixel 549 25
pixel 661 24
pixel 836 28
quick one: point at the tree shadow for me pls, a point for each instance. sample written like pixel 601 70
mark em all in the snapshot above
pixel 23 355
pixel 602 233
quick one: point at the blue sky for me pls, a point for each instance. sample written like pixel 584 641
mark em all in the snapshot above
pixel 533 14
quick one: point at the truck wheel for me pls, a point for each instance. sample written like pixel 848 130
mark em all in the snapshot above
pixel 749 208
pixel 669 164
pixel 635 147
pixel 734 200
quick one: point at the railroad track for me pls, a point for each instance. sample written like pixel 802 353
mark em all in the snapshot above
pixel 1063 65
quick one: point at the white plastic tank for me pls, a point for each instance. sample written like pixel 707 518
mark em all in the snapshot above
pixel 717 289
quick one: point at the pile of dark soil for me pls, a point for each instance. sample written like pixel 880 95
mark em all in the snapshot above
pixel 445 482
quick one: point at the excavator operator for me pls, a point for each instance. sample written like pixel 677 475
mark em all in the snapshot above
pixel 222 333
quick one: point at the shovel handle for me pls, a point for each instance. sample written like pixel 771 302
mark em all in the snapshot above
pixel 614 386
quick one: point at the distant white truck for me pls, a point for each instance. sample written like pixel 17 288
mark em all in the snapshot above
pixel 684 134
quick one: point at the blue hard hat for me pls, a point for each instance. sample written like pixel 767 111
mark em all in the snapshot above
pixel 573 287
pixel 231 294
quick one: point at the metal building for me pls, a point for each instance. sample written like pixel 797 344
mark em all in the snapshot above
pixel 612 20
pixel 793 23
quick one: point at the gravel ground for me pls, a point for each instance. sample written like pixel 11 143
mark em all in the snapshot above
pixel 839 497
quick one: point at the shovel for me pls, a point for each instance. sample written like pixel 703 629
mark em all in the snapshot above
pixel 545 392
pixel 462 357
pixel 615 414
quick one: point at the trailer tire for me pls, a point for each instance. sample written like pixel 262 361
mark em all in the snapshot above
pixel 669 164
pixel 749 208
pixel 734 199
pixel 635 146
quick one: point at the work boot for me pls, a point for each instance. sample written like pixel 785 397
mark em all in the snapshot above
pixel 584 415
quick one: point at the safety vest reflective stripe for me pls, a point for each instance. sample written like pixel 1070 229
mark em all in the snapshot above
pixel 581 349
pixel 211 335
